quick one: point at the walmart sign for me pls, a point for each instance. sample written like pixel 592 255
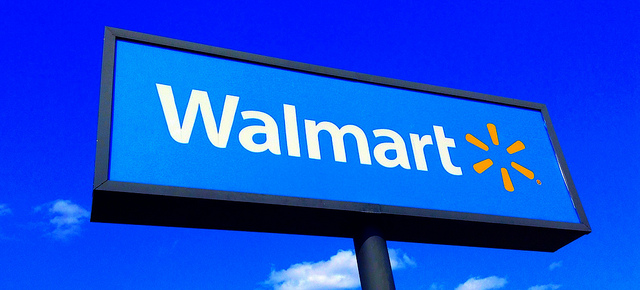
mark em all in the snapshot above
pixel 235 124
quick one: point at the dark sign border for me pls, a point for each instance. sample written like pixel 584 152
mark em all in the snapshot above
pixel 144 204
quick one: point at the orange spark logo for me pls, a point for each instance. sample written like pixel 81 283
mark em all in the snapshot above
pixel 483 165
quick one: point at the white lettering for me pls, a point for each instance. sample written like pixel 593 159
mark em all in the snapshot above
pixel 219 137
pixel 417 144
pixel 291 130
pixel 337 137
pixel 197 99
pixel 270 129
pixel 379 152
pixel 444 144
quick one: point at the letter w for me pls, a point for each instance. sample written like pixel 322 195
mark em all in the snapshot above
pixel 198 99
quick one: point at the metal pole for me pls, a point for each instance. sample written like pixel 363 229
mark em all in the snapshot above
pixel 374 265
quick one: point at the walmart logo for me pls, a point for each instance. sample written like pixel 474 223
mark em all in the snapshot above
pixel 395 153
pixel 484 165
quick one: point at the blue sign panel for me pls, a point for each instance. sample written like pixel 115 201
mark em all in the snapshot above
pixel 196 136
pixel 192 120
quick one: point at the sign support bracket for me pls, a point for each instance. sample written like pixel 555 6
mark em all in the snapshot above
pixel 374 265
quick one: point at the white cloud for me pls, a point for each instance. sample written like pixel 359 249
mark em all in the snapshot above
pixel 545 287
pixel 4 209
pixel 555 265
pixel 67 218
pixel 400 260
pixel 339 272
pixel 476 283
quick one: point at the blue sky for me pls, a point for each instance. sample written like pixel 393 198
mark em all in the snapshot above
pixel 581 59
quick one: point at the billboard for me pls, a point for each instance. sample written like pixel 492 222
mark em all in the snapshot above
pixel 196 136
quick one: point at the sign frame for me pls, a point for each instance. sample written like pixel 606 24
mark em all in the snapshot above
pixel 145 204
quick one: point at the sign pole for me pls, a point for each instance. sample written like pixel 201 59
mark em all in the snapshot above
pixel 374 265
